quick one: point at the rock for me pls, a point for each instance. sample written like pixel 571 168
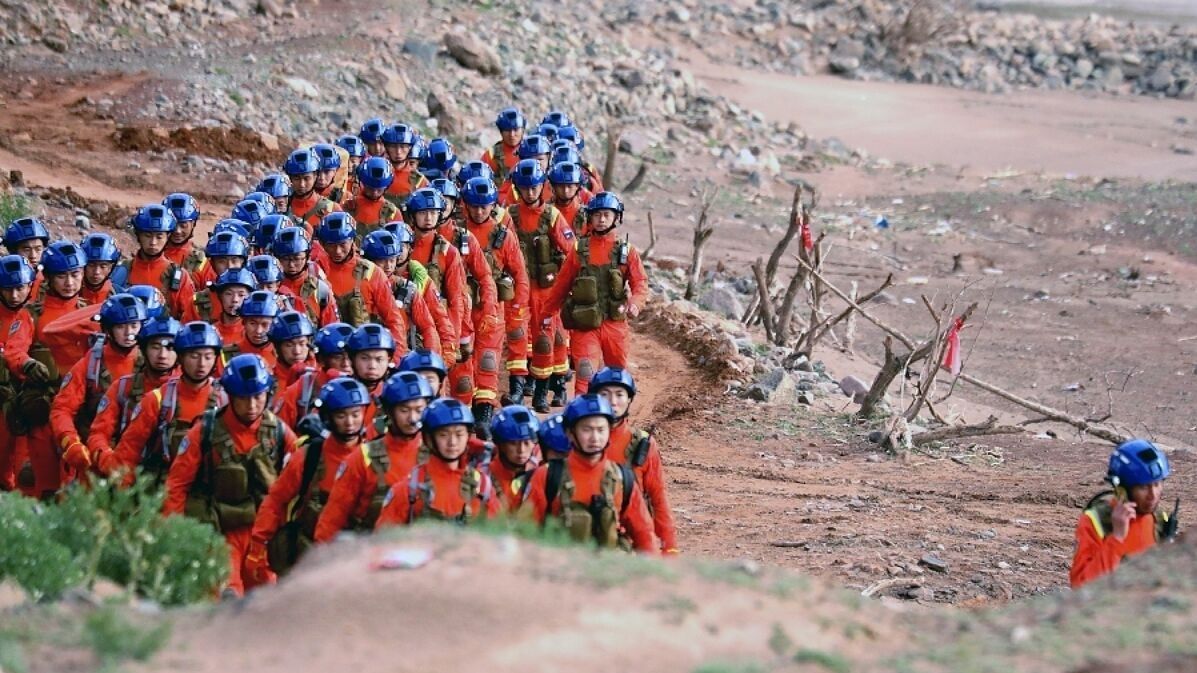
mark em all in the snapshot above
pixel 933 562
pixel 854 388
pixel 776 387
pixel 1082 68
pixel 471 52
pixel 844 65
pixel 678 15
pixel 1161 79
pixel 302 87
pixel 441 105
pixel 722 301
pixel 388 81
pixel 271 8
pixel 805 397
pixel 630 78
pixel 269 141
pixel 634 142
pixel 56 43
pixel 422 50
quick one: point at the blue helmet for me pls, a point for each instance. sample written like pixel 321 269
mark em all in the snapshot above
pixel 265 269
pixel 353 145
pixel 514 423
pixel 260 304
pixel 267 228
pixel 62 257
pixel 418 149
pixel 277 185
pixel 474 169
pixel 245 375
pixel 336 228
pixel 230 277
pixel 528 173
pixel 379 245
pixel 100 247
pixel 549 131
pixel 613 376
pixel 226 244
pixel 154 218
pixel 401 230
pixel 571 134
pixel 444 412
pixel 566 173
pixel 330 159
pixel 440 156
pixel 182 206
pixel 301 162
pixel 290 241
pixel 371 131
pixel 239 227
pixel 196 335
pixel 341 393
pixel 25 229
pixel 533 146
pixel 152 298
pixel 405 387
pixel 510 119
pixel 164 329
pixel 605 201
pixel 557 118
pixel 1137 462
pixel 252 211
pixel 291 325
pixel 564 154
pixel 585 406
pixel 551 435
pixel 480 191
pixel 425 198
pixel 370 337
pixel 121 309
pixel 399 134
pixel 446 187
pixel 375 173
pixel 422 359
pixel 262 198
pixel 15 271
pixel 333 338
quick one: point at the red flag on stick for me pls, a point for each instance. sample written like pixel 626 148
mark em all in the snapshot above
pixel 808 241
pixel 951 355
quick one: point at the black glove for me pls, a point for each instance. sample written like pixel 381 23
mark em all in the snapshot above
pixel 312 427
pixel 35 371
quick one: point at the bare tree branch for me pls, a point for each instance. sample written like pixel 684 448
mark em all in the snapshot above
pixel 652 239
pixel 702 234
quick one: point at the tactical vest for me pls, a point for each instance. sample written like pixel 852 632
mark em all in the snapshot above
pixel 160 451
pixel 438 256
pixel 504 283
pixel 474 485
pixel 99 378
pixel 170 280
pixel 599 292
pixel 129 392
pixel 598 520
pixel 352 305
pixel 387 213
pixel 1101 514
pixel 33 400
pixel 405 290
pixel 501 170
pixel 203 305
pixel 194 260
pixel 319 209
pixel 315 295
pixel 375 456
pixel 542 258
pixel 414 181
pixel 229 486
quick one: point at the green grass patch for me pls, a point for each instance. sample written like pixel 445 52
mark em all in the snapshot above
pixel 828 661
pixel 116 639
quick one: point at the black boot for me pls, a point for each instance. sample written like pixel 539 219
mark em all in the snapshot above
pixel 516 393
pixel 557 387
pixel 540 396
pixel 482 415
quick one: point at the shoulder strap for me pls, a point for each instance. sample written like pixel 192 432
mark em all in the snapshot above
pixel 312 456
pixel 629 482
pixel 498 235
pixel 552 482
pixel 638 453
pixel 95 363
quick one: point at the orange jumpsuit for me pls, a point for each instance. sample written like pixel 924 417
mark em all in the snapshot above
pixel 154 272
pixel 182 475
pixel 1099 552
pixel 573 210
pixel 550 350
pixel 98 295
pixel 69 336
pixel 190 403
pixel 264 350
pixel 478 376
pixel 501 158
pixel 273 511
pixel 16 335
pixel 446 495
pixel 446 332
pixel 509 483
pixel 321 306
pixel 587 480
pixel 375 291
pixel 111 417
pixel 285 375
pixel 650 476
pixel 592 349
pixel 356 483
pixel 509 197
pixel 452 289
pixel 76 388
pixel 185 254
pixel 421 316
pixel 371 214
pixel 407 180
pixel 509 259
pixel 205 275
pixel 310 209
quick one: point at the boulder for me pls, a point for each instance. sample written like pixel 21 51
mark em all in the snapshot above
pixel 444 108
pixel 775 387
pixel 724 301
pixel 471 52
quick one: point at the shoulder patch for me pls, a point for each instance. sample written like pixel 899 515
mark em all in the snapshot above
pixel 569 233
pixel 287 458
pixel 389 497
pixel 16 325
pixel 66 379
pixel 182 445
pixel 341 469
pixel 102 405
pixel 136 412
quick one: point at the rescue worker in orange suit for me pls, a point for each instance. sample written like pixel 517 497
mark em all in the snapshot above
pixel 220 304
pixel 596 498
pixel 446 487
pixel 27 237
pixel 411 285
pixel 514 430
pixel 600 287
pixel 637 450
pixel 429 365
pixel 278 187
pixel 371 135
pixel 42 373
pixel 593 181
pixel 330 166
pixel 306 206
pixel 547 243
pixel 479 373
pixel 112 356
pixel 1128 520
pixel 503 156
pixel 102 255
pixel 362 290
pixel 536 148
pixel 224 250
pixel 551 438
pixel 365 476
pixel 269 274
pixel 302 277
pixel 291 335
pixel 569 196
pixel 285 526
pixel 16 336
pixel 371 351
pixel 180 246
pixel 384 250
pixel 368 207
pixel 239 448
pixel 152 227
pixel 165 414
pixel 158 363
pixel 356 150
pixel 332 360
pixel 399 140
pixel 258 313
pixel 500 246
pixel 446 274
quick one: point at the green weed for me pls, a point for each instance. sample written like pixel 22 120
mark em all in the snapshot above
pixel 827 660
pixel 13 206
pixel 730 667
pixel 115 639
